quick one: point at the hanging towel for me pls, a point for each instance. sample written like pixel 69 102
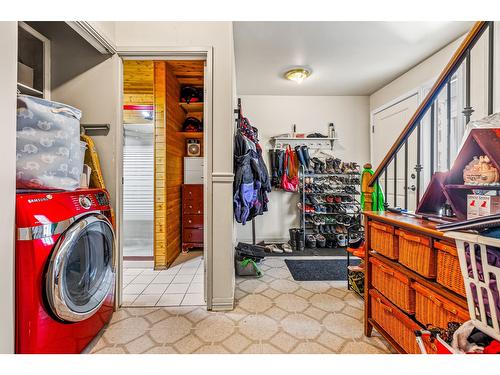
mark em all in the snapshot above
pixel 377 195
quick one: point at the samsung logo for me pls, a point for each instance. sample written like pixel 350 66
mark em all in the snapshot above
pixel 36 200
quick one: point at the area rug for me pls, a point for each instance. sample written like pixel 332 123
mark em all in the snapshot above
pixel 319 269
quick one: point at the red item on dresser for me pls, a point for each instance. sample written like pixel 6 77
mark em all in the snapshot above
pixel 493 348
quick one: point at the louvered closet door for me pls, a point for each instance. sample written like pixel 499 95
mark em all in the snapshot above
pixel 138 192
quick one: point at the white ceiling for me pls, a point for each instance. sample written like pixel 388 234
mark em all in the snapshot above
pixel 346 58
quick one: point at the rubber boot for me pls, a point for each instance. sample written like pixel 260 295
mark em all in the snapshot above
pixel 307 159
pixel 300 156
pixel 293 241
pixel 299 240
pixel 317 164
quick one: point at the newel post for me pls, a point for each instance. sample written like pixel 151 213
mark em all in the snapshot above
pixel 366 190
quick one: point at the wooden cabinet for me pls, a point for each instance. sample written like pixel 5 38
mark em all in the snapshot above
pixel 401 290
pixel 192 216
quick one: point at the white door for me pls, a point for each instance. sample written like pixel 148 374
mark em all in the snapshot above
pixel 387 125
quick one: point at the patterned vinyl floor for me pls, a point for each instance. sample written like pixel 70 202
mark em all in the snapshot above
pixel 273 314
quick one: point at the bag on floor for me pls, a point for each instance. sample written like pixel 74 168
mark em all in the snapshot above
pixel 49 153
pixel 247 267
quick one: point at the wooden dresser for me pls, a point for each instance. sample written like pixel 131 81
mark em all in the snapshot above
pixel 412 279
pixel 192 216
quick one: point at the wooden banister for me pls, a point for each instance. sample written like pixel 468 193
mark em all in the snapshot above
pixel 450 68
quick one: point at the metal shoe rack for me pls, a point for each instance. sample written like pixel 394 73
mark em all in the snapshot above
pixel 337 190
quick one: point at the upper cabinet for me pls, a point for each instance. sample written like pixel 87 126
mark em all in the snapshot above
pixel 33 62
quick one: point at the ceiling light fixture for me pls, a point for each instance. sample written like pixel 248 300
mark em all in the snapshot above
pixel 297 74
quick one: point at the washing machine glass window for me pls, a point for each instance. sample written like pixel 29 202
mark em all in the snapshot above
pixel 81 272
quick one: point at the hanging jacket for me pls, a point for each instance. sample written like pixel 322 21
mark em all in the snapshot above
pixel 251 182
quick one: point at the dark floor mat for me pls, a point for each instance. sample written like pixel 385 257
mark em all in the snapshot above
pixel 319 269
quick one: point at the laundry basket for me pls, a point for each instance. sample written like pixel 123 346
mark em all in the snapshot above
pixel 480 265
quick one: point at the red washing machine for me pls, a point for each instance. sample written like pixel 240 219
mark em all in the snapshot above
pixel 65 269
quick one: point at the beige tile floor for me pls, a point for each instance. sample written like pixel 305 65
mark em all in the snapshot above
pixel 273 314
pixel 180 285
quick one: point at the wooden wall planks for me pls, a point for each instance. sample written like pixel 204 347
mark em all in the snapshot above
pixel 160 183
pixel 174 163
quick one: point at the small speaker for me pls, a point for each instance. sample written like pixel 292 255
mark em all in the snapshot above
pixel 193 147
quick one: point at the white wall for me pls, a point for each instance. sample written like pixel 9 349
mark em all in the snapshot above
pixel 274 115
pixel 160 36
pixel 427 70
pixel 8 78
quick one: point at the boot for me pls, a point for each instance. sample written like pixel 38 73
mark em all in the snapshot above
pixel 307 158
pixel 299 240
pixel 329 166
pixel 274 171
pixel 300 156
pixel 293 242
pixel 317 165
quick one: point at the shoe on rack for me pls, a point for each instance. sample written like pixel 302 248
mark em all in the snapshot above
pixel 329 165
pixel 342 239
pixel 311 241
pixel 320 241
pixel 316 166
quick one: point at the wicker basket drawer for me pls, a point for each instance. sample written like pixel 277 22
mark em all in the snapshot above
pixel 449 274
pixel 393 284
pixel 434 310
pixel 398 325
pixel 382 240
pixel 416 253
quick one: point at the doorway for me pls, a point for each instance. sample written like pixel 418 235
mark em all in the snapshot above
pixel 163 254
pixel 387 124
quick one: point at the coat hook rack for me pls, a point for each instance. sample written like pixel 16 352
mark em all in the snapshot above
pixel 95 129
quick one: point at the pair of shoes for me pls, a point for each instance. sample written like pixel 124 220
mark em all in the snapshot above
pixel 342 239
pixel 286 247
pixel 319 166
pixel 272 248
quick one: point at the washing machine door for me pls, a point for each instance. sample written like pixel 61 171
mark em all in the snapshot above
pixel 81 271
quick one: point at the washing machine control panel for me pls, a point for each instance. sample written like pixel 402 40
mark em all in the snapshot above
pixel 102 198
pixel 85 202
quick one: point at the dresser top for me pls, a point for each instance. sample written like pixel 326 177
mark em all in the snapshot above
pixel 405 221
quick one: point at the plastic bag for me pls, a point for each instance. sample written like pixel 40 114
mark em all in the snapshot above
pixel 49 153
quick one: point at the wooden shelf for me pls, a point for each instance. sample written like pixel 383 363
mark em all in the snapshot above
pixel 192 107
pixel 28 90
pixel 473 187
pixel 197 135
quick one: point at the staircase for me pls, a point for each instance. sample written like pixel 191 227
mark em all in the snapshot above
pixel 433 148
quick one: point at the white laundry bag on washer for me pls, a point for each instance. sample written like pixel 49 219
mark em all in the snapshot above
pixel 49 154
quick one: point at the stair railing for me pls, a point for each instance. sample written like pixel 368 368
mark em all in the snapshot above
pixel 461 59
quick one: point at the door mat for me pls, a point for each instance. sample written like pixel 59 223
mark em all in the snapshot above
pixel 319 269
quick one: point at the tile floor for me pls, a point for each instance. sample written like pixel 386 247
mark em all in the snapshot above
pixel 273 314
pixel 180 285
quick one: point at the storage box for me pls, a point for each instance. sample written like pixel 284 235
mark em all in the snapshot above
pixel 489 205
pixel 416 253
pixel 393 284
pixel 397 324
pixel 193 170
pixel 382 240
pixel 472 206
pixel 25 74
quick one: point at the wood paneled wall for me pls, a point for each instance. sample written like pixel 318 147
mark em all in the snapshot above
pixel 175 156
pixel 170 149
pixel 160 183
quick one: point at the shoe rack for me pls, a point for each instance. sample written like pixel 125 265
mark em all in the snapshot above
pixel 329 205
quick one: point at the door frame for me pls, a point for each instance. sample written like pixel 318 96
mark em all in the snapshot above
pixel 173 53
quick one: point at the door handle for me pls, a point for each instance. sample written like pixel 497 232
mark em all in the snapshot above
pixel 412 188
